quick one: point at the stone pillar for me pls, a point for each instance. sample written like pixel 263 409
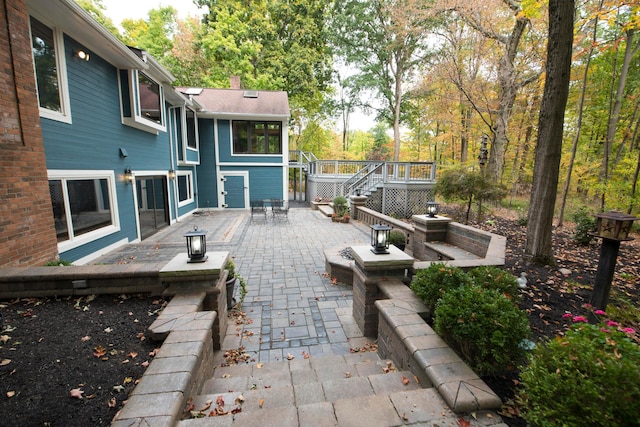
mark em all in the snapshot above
pixel 179 276
pixel 368 272
pixel 355 202
pixel 428 229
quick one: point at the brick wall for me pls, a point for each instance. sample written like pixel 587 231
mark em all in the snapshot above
pixel 27 233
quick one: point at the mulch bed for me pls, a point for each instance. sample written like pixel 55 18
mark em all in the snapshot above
pixel 95 349
pixel 72 361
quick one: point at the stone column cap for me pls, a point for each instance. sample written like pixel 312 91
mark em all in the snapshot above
pixel 367 260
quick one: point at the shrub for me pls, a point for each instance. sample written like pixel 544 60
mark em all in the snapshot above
pixel 484 327
pixel 585 224
pixel 340 206
pixel 490 277
pixel 590 376
pixel 431 283
pixel 397 237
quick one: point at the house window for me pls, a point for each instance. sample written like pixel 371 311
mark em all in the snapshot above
pixel 252 137
pixel 142 101
pixel 185 188
pixel 47 47
pixel 192 131
pixel 83 207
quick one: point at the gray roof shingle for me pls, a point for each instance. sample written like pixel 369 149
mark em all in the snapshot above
pixel 234 102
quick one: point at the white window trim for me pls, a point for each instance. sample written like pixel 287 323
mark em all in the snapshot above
pixel 137 120
pixel 282 140
pixel 185 138
pixel 61 65
pixel 191 199
pixel 83 239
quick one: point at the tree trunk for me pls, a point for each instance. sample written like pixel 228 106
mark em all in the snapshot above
pixel 612 124
pixel 539 246
pixel 576 138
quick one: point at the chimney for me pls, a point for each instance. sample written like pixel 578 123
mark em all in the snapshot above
pixel 235 82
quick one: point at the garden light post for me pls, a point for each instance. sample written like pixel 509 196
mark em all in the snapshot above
pixel 613 228
pixel 380 238
pixel 196 245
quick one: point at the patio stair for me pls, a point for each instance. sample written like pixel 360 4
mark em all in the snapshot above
pixel 347 390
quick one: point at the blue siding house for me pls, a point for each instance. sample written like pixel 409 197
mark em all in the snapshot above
pixel 126 153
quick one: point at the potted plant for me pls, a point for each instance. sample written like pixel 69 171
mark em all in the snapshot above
pixel 340 206
pixel 398 239
pixel 231 283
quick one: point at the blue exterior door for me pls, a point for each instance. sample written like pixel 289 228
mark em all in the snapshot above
pixel 234 188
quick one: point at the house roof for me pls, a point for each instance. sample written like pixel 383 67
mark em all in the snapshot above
pixel 239 102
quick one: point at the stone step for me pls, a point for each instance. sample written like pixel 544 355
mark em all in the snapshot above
pixel 326 210
pixel 354 389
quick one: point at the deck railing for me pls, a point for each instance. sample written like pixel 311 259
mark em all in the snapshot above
pixel 391 171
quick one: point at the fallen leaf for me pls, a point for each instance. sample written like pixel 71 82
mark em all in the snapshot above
pixel 145 363
pixel 347 374
pixel 405 380
pixel 259 365
pixel 464 423
pixel 132 355
pixel 226 376
pixel 5 362
pixel 112 402
pixel 240 399
pixel 77 393
pixel 4 338
pixel 207 405
pixel 127 380
pixel 99 351
pixel 10 394
pixel 261 402
pixel 118 388
pixel 290 356
pixel 108 330
pixel 85 338
pixel 404 417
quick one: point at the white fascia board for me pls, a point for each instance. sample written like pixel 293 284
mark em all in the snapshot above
pixel 236 116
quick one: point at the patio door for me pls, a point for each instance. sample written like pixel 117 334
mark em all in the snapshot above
pixel 153 207
pixel 234 190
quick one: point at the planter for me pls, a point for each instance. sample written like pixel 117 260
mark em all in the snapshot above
pixel 231 287
pixel 335 219
pixel 399 246
pixel 345 220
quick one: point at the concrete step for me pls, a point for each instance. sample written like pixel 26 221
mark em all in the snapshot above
pixel 355 389
pixel 326 210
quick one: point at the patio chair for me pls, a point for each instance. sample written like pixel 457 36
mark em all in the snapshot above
pixel 258 208
pixel 279 209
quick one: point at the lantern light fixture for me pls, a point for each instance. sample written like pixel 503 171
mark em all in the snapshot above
pixel 380 238
pixel 432 209
pixel 196 245
pixel 172 174
pixel 128 175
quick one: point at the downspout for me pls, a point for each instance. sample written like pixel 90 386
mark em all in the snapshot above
pixel 174 166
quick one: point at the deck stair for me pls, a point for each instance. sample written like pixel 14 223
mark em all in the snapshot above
pixel 357 389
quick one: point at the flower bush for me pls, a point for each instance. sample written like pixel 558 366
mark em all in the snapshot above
pixel 484 327
pixel 590 376
pixel 490 277
pixel 431 283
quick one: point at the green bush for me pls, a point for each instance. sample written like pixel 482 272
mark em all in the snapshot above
pixel 397 237
pixel 484 327
pixel 490 277
pixel 340 206
pixel 585 224
pixel 431 283
pixel 589 377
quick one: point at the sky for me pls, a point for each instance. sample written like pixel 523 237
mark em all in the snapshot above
pixel 118 10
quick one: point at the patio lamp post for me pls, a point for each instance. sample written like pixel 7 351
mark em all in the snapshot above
pixel 432 209
pixel 380 238
pixel 196 245
pixel 613 228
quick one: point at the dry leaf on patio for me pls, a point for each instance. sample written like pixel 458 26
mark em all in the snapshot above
pixel 99 351
pixel 10 394
pixel 85 338
pixel 4 338
pixel 112 402
pixel 405 380
pixel 77 393
pixel 261 402
pixel 5 362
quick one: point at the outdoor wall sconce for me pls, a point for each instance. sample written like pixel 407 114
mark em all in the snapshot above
pixel 82 55
pixel 128 175
pixel 613 228
pixel 172 174
pixel 380 238
pixel 432 209
pixel 196 245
